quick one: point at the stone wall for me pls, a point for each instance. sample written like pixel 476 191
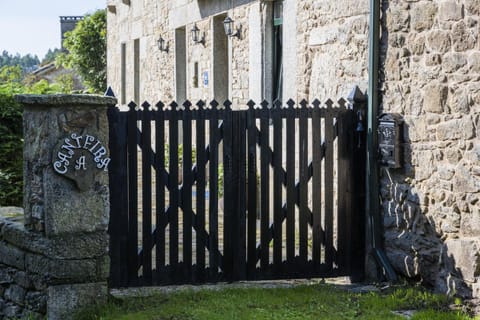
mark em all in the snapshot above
pixel 431 76
pixel 54 256
pixel 36 271
pixel 332 49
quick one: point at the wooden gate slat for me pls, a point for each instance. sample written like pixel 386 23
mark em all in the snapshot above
pixel 317 231
pixel 147 159
pixel 303 187
pixel 132 194
pixel 173 194
pixel 214 258
pixel 265 186
pixel 187 191
pixel 200 192
pixel 238 221
pixel 252 191
pixel 242 194
pixel 160 182
pixel 291 192
pixel 231 179
pixel 344 192
pixel 328 182
pixel 277 187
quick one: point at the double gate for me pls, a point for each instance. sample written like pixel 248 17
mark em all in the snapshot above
pixel 205 193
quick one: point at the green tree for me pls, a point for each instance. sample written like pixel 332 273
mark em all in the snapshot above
pixel 11 129
pixel 50 56
pixel 11 135
pixel 87 53
pixel 27 62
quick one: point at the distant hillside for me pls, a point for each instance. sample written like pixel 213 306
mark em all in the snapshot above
pixel 28 63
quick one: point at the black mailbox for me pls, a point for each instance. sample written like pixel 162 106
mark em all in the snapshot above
pixel 389 138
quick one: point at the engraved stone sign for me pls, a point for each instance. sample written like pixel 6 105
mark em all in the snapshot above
pixel 79 157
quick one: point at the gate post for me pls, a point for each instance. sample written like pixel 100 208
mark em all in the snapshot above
pixel 62 248
pixel 358 101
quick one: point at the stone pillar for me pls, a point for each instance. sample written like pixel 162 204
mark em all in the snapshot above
pixel 66 198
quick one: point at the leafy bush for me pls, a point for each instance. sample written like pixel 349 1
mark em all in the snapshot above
pixel 11 134
pixel 11 131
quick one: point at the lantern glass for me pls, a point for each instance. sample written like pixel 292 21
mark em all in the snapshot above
pixel 161 44
pixel 228 26
pixel 195 33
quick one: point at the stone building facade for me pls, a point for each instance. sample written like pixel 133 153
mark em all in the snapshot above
pixel 282 47
pixel 429 74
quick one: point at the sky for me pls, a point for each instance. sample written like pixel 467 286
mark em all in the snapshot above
pixel 33 26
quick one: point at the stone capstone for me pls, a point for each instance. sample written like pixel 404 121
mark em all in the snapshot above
pixel 62 100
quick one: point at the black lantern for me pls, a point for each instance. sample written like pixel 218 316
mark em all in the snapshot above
pixel 196 37
pixel 228 26
pixel 162 44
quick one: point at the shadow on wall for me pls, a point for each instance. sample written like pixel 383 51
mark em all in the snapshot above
pixel 430 205
pixel 414 242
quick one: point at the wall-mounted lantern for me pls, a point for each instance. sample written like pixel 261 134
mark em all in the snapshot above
pixel 228 26
pixel 162 44
pixel 196 36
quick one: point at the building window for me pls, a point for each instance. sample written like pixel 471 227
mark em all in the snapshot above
pixel 123 73
pixel 180 65
pixel 195 75
pixel 136 70
pixel 277 50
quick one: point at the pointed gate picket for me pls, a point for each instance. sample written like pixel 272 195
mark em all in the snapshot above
pixel 289 177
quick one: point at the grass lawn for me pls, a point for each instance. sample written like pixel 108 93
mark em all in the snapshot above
pixel 320 301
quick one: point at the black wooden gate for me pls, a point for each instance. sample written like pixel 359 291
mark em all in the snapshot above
pixel 204 193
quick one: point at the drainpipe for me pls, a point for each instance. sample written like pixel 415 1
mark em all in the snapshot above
pixel 372 190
